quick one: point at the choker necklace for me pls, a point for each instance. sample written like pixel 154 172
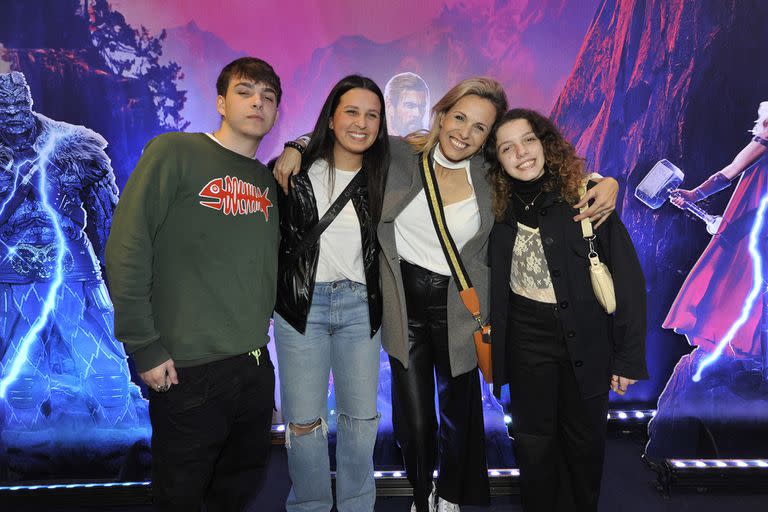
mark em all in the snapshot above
pixel 528 205
pixel 441 160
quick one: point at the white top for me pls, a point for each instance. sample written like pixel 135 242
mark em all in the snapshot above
pixel 529 274
pixel 341 245
pixel 415 235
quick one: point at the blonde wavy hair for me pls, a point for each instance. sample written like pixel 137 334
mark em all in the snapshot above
pixel 566 168
pixel 482 86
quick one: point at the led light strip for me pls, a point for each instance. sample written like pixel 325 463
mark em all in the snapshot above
pixel 494 473
pixel 73 486
pixel 718 463
pixel 631 415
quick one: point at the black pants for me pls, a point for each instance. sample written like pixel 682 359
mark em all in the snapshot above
pixel 559 436
pixel 461 446
pixel 211 434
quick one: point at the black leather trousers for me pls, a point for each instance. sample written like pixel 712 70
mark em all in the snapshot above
pixel 459 444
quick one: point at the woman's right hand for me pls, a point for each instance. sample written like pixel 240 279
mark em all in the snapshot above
pixel 287 164
pixel 679 197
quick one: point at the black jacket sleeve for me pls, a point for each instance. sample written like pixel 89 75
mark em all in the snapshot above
pixel 629 321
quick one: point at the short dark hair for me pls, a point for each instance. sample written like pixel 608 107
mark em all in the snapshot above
pixel 251 68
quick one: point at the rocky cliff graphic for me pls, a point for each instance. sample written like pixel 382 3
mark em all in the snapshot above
pixel 670 79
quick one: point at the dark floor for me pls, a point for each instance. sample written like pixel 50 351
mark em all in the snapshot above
pixel 628 485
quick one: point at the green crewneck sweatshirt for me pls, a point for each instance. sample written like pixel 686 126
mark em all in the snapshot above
pixel 192 253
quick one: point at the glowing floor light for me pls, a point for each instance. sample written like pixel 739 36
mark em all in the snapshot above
pixel 709 464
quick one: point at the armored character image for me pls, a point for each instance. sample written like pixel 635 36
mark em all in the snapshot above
pixel 61 369
pixel 722 309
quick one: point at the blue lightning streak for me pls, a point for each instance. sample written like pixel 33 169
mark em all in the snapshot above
pixel 757 288
pixel 50 300
pixel 13 190
pixel 12 250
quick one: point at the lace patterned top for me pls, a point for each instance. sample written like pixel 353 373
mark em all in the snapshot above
pixel 529 275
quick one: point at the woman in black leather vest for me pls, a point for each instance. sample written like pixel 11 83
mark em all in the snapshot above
pixel 328 310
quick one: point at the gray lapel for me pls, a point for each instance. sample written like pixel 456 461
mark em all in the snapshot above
pixel 403 184
pixel 478 170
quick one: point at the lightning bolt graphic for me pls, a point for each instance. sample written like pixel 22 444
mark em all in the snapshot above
pixel 49 305
pixel 15 184
pixel 757 288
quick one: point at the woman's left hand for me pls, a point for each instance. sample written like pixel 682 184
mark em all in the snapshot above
pixel 604 194
pixel 620 384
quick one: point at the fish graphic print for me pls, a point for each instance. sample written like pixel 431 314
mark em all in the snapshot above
pixel 233 196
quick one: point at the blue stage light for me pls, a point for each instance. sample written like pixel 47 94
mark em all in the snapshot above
pixel 91 485
pixel 703 464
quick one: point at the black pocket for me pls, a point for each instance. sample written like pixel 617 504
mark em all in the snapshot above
pixel 190 392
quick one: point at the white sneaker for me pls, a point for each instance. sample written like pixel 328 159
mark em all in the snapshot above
pixel 446 506
pixel 431 500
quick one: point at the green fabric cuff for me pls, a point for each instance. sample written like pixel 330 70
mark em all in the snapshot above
pixel 150 356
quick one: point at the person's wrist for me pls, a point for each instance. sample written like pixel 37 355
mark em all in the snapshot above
pixel 760 140
pixel 714 184
pixel 294 145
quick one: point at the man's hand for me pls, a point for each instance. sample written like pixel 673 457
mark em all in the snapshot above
pixel 604 194
pixel 288 164
pixel 620 384
pixel 161 377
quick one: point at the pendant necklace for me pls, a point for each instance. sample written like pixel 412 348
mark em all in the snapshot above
pixel 528 205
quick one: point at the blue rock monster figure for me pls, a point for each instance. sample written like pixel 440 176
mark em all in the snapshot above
pixel 64 379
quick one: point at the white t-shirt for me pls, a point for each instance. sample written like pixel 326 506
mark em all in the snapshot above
pixel 415 235
pixel 341 245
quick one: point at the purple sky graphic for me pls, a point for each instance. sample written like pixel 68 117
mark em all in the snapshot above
pixel 529 46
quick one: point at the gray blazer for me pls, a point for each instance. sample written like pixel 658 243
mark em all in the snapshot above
pixel 403 184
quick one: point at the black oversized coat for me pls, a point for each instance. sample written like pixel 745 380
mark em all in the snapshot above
pixel 599 344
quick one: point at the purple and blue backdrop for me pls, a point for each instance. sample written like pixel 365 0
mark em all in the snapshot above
pixel 630 83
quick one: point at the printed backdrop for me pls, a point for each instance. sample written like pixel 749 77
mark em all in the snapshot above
pixel 630 83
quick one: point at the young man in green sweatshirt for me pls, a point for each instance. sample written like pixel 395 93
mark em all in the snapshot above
pixel 192 264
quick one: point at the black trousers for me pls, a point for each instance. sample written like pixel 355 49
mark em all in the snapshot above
pixel 460 445
pixel 559 436
pixel 211 435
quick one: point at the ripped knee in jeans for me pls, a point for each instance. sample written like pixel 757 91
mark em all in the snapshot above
pixel 303 429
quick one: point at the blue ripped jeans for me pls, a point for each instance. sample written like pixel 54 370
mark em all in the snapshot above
pixel 337 338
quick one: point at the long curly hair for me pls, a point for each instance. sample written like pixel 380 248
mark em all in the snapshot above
pixel 565 169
